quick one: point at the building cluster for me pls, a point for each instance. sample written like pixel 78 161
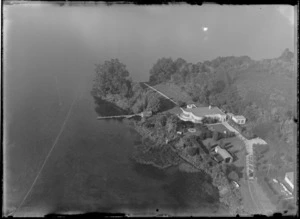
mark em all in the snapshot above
pixel 196 114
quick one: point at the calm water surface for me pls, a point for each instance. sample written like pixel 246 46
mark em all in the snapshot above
pixel 48 66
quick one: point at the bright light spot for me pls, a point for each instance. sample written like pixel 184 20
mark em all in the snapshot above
pixel 205 29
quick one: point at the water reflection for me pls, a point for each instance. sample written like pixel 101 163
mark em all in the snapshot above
pixel 105 108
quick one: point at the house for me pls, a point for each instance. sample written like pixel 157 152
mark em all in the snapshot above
pixel 223 154
pixel 289 180
pixel 239 119
pixel 196 114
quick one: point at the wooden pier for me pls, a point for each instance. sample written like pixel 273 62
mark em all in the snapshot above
pixel 142 114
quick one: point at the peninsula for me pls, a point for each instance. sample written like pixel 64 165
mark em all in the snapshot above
pixel 189 115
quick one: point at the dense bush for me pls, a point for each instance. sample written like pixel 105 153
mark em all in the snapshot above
pixel 192 151
pixel 233 176
pixel 206 134
pixel 216 135
pixel 209 120
pixel 185 125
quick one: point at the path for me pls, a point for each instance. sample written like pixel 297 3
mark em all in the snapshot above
pixel 259 198
pixel 119 116
pixel 161 94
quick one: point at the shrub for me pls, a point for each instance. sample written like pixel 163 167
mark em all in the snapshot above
pixel 216 135
pixel 209 120
pixel 226 135
pixel 192 151
pixel 233 176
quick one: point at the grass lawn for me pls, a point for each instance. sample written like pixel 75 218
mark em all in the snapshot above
pixel 175 110
pixel 218 127
pixel 209 142
pixel 248 203
pixel 271 192
pixel 174 92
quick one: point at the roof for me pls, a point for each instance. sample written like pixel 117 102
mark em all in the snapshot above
pixel 203 111
pixel 290 176
pixel 222 152
pixel 218 157
pixel 189 106
pixel 239 117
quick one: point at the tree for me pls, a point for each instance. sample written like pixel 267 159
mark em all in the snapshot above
pixel 233 176
pixel 111 78
pixel 179 63
pixel 229 80
pixel 203 95
pixel 251 112
pixel 209 134
pixel 153 103
pixel 221 143
pixel 219 86
pixel 171 125
pixel 192 151
pixel 216 135
pixel 162 70
pixel 163 120
pixel 289 114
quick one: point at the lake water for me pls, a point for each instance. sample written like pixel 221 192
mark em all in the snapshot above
pixel 48 71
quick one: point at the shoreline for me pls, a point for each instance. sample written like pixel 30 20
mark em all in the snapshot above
pixel 164 156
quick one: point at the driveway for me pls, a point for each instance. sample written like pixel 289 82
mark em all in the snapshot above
pixel 254 197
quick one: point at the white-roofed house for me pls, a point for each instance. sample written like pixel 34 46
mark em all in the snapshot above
pixel 289 180
pixel 239 119
pixel 196 114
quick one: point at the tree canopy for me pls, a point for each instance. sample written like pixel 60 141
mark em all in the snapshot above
pixel 233 176
pixel 162 70
pixel 153 102
pixel 112 77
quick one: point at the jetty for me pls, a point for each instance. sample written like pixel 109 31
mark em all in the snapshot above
pixel 142 114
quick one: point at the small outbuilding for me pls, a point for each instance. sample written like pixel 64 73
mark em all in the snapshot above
pixel 224 154
pixel 239 119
